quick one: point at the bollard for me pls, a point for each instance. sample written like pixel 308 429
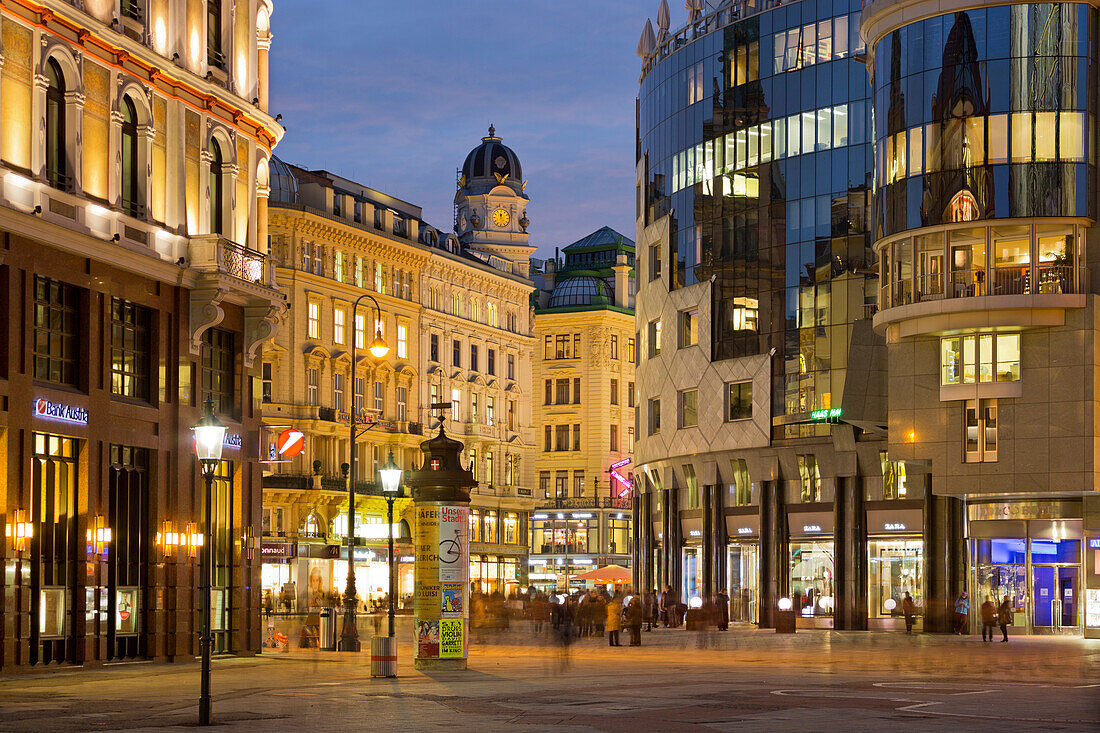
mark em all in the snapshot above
pixel 383 656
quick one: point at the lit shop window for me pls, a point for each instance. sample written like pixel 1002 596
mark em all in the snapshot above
pixel 980 358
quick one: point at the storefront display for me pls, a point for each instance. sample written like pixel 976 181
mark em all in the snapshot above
pixel 894 568
pixel 693 573
pixel 812 577
pixel 743 567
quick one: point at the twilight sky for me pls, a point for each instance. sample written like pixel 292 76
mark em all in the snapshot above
pixel 395 94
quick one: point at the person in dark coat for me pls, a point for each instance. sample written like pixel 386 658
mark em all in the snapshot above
pixel 634 620
pixel 909 610
pixel 722 608
pixel 989 617
pixel 1004 618
pixel 668 606
pixel 649 609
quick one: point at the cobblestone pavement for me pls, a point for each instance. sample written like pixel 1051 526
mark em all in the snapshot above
pixel 744 680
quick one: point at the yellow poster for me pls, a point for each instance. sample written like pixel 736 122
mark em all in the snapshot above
pixel 428 599
pixel 450 637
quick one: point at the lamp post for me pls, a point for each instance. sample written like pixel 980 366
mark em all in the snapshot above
pixel 209 436
pixel 349 635
pixel 391 486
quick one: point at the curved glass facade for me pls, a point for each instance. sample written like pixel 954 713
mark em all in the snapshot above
pixel 756 138
pixel 986 114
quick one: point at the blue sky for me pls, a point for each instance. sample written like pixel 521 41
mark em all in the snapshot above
pixel 395 94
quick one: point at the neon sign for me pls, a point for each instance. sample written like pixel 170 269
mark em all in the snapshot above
pixel 58 411
pixel 828 414
pixel 627 485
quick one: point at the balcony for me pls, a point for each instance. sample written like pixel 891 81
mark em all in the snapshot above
pixel 211 253
pixel 991 275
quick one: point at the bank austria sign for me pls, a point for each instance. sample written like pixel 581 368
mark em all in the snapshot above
pixel 47 410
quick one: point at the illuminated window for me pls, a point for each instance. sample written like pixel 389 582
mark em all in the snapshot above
pixel 402 403
pixel 214 54
pixel 689 328
pixel 217 189
pixel 809 478
pixel 456 404
pixel 655 337
pixel 893 477
pixel 980 358
pixel 742 487
pixel 379 278
pixel 57 165
pixel 218 363
pixel 739 401
pixel 358 272
pixel 131 188
pixel 338 316
pixel 313 320
pixel 654 415
pixel 379 396
pixel 981 431
pixel 131 349
pixel 360 330
pixel 313 379
pixel 489 525
pixel 338 391
pixel 402 341
pixel 689 408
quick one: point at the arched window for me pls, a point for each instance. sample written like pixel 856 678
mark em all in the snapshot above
pixel 216 185
pixel 57 169
pixel 131 192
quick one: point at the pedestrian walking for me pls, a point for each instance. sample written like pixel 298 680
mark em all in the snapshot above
pixel 634 620
pixel 909 610
pixel 667 606
pixel 989 618
pixel 614 620
pixel 723 609
pixel 1004 618
pixel 962 613
pixel 649 609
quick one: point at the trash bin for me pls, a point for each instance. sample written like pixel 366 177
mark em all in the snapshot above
pixel 327 640
pixel 784 621
pixel 383 656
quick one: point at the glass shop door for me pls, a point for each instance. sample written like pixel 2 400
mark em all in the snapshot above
pixel 1055 599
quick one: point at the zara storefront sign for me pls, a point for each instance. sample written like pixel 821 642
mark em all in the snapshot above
pixel 45 409
pixel 894 526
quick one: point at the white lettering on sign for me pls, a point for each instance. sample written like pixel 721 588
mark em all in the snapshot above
pixel 744 530
pixel 696 533
pixel 894 526
pixel 811 527
pixel 232 440
pixel 58 411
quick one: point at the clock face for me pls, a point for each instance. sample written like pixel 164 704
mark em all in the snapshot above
pixel 501 218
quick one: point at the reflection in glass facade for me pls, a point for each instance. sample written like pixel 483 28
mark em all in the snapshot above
pixel 756 138
pixel 985 113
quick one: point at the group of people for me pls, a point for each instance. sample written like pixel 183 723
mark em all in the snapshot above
pixel 992 616
pixel 590 613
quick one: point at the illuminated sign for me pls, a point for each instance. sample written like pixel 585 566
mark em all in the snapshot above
pixel 59 411
pixel 291 442
pixel 811 527
pixel 232 440
pixel 696 533
pixel 894 526
pixel 1094 543
pixel 744 530
pixel 829 414
pixel 627 485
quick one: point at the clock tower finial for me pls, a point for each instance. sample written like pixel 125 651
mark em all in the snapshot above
pixel 492 130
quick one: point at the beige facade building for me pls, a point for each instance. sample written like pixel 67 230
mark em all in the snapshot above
pixel 584 408
pixel 457 324
pixel 134 284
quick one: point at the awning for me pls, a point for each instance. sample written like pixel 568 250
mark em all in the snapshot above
pixel 615 574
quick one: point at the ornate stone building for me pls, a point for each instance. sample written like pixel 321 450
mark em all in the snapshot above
pixel 134 284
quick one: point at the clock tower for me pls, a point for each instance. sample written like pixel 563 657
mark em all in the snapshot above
pixel 491 206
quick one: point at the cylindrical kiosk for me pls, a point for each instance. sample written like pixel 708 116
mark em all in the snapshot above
pixel 441 498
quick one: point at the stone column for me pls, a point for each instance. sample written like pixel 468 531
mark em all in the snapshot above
pixel 773 550
pixel 706 547
pixel 441 498
pixel 944 558
pixel 850 552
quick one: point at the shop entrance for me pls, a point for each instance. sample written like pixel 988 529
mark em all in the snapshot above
pixel 1055 593
pixel 1041 578
pixel 743 565
pixel 693 574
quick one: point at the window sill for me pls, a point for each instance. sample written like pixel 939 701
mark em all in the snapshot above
pixel 981 391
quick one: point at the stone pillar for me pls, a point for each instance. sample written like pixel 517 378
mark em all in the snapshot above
pixel 718 540
pixel 441 499
pixel 850 552
pixel 773 551
pixel 706 547
pixel 674 543
pixel 944 558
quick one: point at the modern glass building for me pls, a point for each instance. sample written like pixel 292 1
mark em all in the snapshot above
pixel 984 225
pixel 762 459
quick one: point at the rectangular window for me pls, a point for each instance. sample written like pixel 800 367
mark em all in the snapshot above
pixel 360 383
pixel 576 437
pixel 337 391
pixel 549 392
pixel 217 368
pixel 1021 137
pixel 981 431
pixel 578 484
pixel 630 394
pixel 358 272
pixel 402 403
pixel 473 407
pixel 473 358
pixel 380 278
pixel 809 478
pixel 512 415
pixel 456 404
pixel 511 528
pixel 561 437
pixel 379 397
pixel 689 328
pixel 614 347
pixel 739 401
pixel 548 441
pixel 561 484
pixel 614 391
pixel 266 381
pixel 489 467
pixel 131 349
pixel 576 346
pixel 630 440
pixel 654 415
pixel 630 355
pixel 561 392
pixel 654 261
pixel 893 477
pixel 433 347
pixel 338 316
pixel 338 266
pixel 313 379
pixel 313 320
pixel 654 337
pixel 490 404
pixel 548 347
pixel 360 331
pixel 56 331
pixel 614 446
pixel 402 341
pixel 511 367
pixel 544 484
pixel 742 488
pixel 577 391
pixel 491 361
pixel 980 358
pixel 456 353
pixel 689 408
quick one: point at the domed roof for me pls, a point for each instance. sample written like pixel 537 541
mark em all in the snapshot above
pixel 492 158
pixel 580 290
pixel 284 184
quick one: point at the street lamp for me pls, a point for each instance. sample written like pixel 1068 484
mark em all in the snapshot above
pixel 209 436
pixel 391 485
pixel 349 636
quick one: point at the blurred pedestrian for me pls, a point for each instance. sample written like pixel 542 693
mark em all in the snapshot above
pixel 649 609
pixel 962 613
pixel 909 610
pixel 634 620
pixel 667 606
pixel 723 610
pixel 614 615
pixel 1004 618
pixel 599 613
pixel 989 618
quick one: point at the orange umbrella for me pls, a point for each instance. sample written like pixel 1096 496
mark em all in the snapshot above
pixel 616 574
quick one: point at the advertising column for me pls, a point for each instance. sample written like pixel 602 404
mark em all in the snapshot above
pixel 441 494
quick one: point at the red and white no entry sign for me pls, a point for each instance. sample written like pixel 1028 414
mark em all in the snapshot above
pixel 291 442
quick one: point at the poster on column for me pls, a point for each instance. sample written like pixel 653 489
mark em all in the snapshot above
pixel 427 602
pixel 454 550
